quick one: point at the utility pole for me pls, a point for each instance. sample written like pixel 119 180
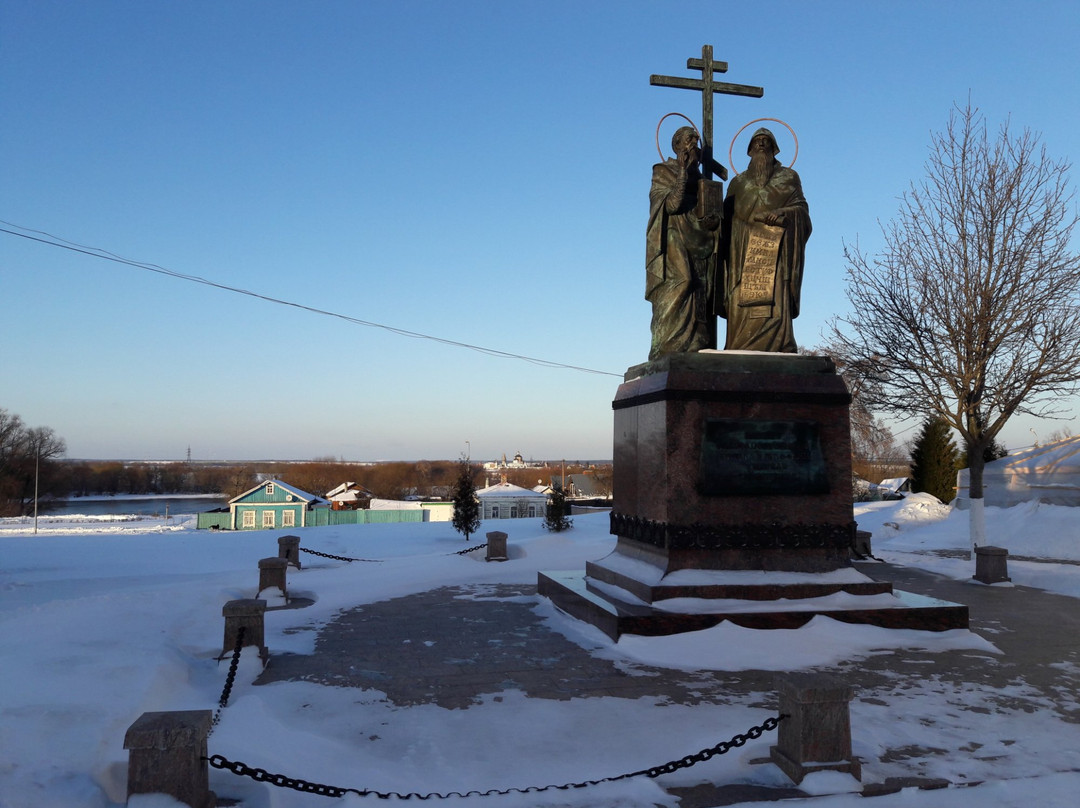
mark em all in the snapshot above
pixel 37 463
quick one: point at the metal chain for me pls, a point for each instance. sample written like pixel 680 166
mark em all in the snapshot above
pixel 469 549
pixel 229 679
pixel 340 558
pixel 308 787
pixel 380 560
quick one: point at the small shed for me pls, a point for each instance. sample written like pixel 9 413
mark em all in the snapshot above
pixel 508 501
pixel 349 496
pixel 272 504
pixel 1048 474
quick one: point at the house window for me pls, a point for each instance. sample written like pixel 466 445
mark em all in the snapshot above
pixel 268 519
pixel 288 519
pixel 249 518
pixel 269 489
pixel 494 511
pixel 513 511
pixel 532 511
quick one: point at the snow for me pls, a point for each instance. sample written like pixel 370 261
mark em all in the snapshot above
pixel 102 620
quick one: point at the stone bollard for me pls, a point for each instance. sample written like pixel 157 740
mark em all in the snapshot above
pixel 862 544
pixel 288 547
pixel 816 735
pixel 991 565
pixel 496 546
pixel 272 573
pixel 248 614
pixel 167 755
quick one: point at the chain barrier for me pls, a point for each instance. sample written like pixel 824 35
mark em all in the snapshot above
pixel 308 787
pixel 469 549
pixel 340 558
pixel 380 560
pixel 229 679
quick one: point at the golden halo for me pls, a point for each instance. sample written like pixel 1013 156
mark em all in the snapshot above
pixel 731 161
pixel 658 151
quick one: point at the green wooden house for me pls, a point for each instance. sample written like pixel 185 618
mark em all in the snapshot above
pixel 273 504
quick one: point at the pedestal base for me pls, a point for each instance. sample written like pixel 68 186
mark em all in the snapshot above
pixel 616 612
pixel 733 501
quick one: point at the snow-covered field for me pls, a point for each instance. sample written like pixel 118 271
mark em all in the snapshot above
pixel 103 620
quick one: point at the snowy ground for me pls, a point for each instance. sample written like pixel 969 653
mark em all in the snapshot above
pixel 103 620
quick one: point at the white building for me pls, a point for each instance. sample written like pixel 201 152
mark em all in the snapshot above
pixel 517 463
pixel 1049 474
pixel 508 501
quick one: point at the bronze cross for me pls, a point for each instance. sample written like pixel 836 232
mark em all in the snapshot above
pixel 707 87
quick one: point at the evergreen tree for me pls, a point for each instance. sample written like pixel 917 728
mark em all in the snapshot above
pixel 934 460
pixel 555 518
pixel 466 505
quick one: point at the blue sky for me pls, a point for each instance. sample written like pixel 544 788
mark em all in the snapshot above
pixel 475 171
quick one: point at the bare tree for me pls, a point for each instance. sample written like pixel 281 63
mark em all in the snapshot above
pixel 971 311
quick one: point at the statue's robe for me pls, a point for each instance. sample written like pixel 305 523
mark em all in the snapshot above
pixel 679 265
pixel 763 327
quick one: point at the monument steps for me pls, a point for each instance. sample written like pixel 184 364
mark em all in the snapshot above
pixel 651 593
pixel 573 592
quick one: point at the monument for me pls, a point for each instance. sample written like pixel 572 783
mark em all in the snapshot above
pixel 732 469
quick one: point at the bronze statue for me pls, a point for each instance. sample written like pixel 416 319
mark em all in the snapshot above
pixel 681 246
pixel 766 225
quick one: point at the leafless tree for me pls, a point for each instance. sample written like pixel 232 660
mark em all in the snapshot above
pixel 971 311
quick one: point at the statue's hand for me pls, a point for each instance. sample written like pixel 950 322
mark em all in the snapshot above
pixel 768 217
pixel 711 222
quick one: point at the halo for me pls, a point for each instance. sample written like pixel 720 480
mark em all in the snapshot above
pixel 731 161
pixel 685 119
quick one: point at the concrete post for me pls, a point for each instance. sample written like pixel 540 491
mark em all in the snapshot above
pixel 248 613
pixel 991 565
pixel 272 573
pixel 816 735
pixel 289 549
pixel 167 755
pixel 862 544
pixel 496 546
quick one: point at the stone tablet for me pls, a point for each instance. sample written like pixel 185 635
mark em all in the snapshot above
pixel 747 458
pixel 759 269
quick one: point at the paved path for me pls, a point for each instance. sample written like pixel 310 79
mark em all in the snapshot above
pixel 450 646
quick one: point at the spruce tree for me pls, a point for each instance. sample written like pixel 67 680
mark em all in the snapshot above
pixel 555 518
pixel 466 505
pixel 934 460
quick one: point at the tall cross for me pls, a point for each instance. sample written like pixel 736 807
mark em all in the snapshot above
pixel 706 86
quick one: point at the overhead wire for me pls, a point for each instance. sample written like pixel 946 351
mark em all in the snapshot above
pixel 96 252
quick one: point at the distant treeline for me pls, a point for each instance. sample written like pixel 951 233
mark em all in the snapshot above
pixel 389 480
pixel 32 465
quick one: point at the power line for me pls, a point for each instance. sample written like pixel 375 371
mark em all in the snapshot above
pixel 105 255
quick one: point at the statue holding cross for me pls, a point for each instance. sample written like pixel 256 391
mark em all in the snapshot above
pixel 696 269
pixel 683 235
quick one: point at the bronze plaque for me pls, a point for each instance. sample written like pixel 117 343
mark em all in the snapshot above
pixel 759 267
pixel 741 457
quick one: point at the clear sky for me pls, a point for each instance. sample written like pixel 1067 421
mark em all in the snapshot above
pixel 473 171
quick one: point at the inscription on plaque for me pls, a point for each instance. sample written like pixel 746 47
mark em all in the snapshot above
pixel 759 267
pixel 741 457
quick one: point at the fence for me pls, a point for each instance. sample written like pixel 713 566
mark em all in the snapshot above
pixel 323 517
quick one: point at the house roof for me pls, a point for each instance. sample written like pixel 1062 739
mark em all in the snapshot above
pixel 585 484
pixel 348 492
pixel 296 492
pixel 893 484
pixel 508 490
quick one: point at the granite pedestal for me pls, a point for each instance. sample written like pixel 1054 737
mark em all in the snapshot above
pixel 732 482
